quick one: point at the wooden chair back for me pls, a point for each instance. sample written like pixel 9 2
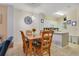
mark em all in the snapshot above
pixel 46 41
pixel 29 33
pixel 25 48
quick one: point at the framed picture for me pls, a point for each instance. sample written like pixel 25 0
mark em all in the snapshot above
pixel 68 21
pixel 74 23
pixel 42 20
pixel 0 19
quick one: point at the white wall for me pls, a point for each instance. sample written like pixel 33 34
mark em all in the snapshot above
pixel 20 25
pixel 10 21
pixel 73 15
pixel 50 23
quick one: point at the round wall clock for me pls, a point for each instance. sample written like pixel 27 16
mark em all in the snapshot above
pixel 28 20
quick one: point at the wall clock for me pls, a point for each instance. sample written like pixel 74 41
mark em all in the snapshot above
pixel 28 20
pixel 74 23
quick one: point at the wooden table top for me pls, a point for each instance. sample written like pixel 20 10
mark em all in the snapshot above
pixel 34 37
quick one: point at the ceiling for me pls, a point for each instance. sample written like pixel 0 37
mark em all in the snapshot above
pixel 45 8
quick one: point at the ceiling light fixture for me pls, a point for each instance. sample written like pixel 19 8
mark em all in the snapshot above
pixel 59 13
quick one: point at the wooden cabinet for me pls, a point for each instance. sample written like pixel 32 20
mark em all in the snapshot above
pixel 3 19
pixel 74 39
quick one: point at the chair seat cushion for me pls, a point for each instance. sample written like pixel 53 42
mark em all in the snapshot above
pixel 36 43
pixel 5 46
pixel 1 45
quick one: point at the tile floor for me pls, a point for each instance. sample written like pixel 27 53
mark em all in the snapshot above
pixel 70 50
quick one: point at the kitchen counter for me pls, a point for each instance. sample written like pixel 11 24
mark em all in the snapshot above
pixel 61 38
pixel 60 32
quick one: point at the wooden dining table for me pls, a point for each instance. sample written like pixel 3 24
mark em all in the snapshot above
pixel 31 38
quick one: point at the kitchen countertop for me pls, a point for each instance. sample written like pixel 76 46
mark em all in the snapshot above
pixel 60 32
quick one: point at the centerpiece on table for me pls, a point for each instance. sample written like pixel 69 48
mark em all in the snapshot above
pixel 34 31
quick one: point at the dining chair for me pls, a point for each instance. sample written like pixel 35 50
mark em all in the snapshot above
pixel 25 43
pixel 46 41
pixel 28 32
